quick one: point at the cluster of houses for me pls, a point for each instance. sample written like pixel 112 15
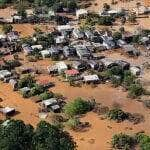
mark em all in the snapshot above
pixel 78 70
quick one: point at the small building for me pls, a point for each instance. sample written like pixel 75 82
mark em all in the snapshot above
pixel 81 13
pixel 45 53
pixel 65 28
pixel 123 64
pixel 88 34
pixel 78 34
pixel 3 37
pixel 92 64
pixel 120 43
pixel 82 52
pixel 27 49
pixel 135 70
pixel 108 63
pixel 130 50
pixel 91 78
pixel 54 51
pixel 39 47
pixel 14 84
pixel 52 69
pixel 69 51
pixel 61 66
pixel 71 73
pixel 23 70
pixel 7 110
pixel 4 74
pixel 78 65
pixel 13 36
pixel 25 90
pixel 51 104
pixel 60 40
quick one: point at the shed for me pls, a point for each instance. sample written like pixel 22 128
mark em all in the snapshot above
pixel 65 28
pixel 40 47
pixel 55 108
pixel 108 63
pixel 135 70
pixel 61 66
pixel 7 110
pixel 123 64
pixel 91 78
pixel 49 102
pixel 27 49
pixel 45 53
pixel 82 51
pixel 71 73
pixel 52 69
pixel 131 50
pixel 25 89
pixel 60 39
pixel 13 83
pixel 81 13
pixel 78 34
pixel 93 64
pixel 78 65
pixel 4 73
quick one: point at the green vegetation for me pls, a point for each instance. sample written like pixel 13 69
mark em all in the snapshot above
pixel 6 28
pixel 73 123
pixel 14 134
pixel 117 115
pixel 143 140
pixel 77 107
pixel 46 95
pixel 26 81
pixel 122 141
pixel 135 90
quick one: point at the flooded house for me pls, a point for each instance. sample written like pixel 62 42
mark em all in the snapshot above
pixel 79 65
pixel 82 52
pixel 91 78
pixel 51 104
pixel 108 63
pixel 61 66
pixel 123 64
pixel 78 34
pixel 81 13
pixel 130 50
pixel 45 53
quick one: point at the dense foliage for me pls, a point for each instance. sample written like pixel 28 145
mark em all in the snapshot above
pixel 14 134
pixel 77 107
pixel 122 141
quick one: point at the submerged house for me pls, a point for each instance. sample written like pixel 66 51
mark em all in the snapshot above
pixel 108 63
pixel 81 13
pixel 51 104
pixel 61 66
pixel 78 65
pixel 130 50
pixel 27 49
pixel 82 52
pixel 123 64
pixel 78 34
pixel 91 78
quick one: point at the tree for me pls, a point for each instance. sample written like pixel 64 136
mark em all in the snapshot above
pixel 15 135
pixel 117 36
pixel 6 28
pixel 106 7
pixel 117 114
pixel 135 90
pixel 122 141
pixel 77 107
pixel 22 12
pixel 26 81
pixel 46 95
pixel 132 18
pixel 143 140
pixel 50 137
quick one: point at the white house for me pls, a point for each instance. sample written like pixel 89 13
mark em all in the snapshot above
pixel 61 66
pixel 81 12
